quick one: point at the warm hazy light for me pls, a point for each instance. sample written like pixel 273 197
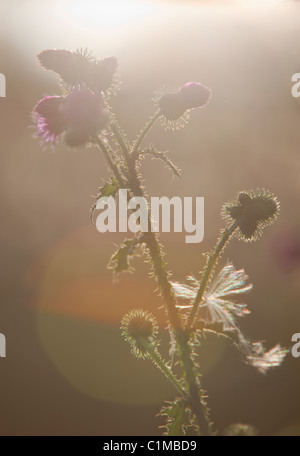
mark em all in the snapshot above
pixel 104 13
pixel 263 3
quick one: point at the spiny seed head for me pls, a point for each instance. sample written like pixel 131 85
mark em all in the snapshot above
pixel 71 66
pixel 252 211
pixel 80 68
pixel 170 106
pixel 244 198
pixel 140 326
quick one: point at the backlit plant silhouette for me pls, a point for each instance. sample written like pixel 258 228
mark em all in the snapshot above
pixel 80 116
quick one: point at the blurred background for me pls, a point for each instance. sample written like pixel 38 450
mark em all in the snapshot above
pixel 67 370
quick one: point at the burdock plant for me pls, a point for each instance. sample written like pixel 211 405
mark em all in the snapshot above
pixel 80 116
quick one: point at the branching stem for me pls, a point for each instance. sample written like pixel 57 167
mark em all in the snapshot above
pixel 163 367
pixel 144 132
pixel 209 267
pixel 162 277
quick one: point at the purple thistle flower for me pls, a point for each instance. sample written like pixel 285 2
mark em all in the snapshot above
pixel 49 118
pixel 173 105
pixel 194 95
pixel 79 116
pixel 85 114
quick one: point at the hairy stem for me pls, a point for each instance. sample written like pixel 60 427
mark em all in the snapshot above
pixel 209 267
pixel 144 132
pixel 182 341
pixel 110 162
pixel 163 367
pixel 193 383
pixel 120 138
pixel 162 277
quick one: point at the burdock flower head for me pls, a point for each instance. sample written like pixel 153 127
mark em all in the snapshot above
pixel 251 211
pixel 76 117
pixel 174 105
pixel 80 68
pixel 140 330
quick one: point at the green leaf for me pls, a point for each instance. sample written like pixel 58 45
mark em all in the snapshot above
pixel 108 189
pixel 120 261
pixel 179 418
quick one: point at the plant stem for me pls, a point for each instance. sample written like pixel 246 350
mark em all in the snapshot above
pixel 166 289
pixel 111 164
pixel 120 138
pixel 163 367
pixel 210 264
pixel 193 383
pixel 150 238
pixel 144 132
